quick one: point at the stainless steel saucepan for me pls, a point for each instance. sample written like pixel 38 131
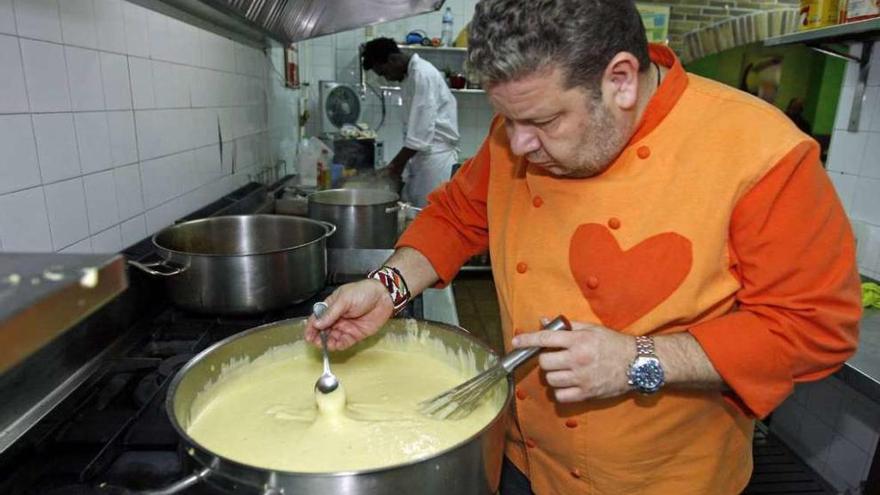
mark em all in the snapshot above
pixel 366 218
pixel 242 264
pixel 471 467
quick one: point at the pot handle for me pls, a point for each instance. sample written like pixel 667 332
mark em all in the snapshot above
pixel 331 228
pixel 176 487
pixel 149 268
pixel 402 206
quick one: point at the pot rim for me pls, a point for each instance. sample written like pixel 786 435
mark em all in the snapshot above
pixel 329 230
pixel 181 373
pixel 312 198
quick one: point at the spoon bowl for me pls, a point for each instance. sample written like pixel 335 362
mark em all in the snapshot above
pixel 327 382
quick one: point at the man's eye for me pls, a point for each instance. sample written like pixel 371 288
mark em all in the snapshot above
pixel 544 123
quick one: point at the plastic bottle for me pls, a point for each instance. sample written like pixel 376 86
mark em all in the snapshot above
pixel 446 34
pixel 307 163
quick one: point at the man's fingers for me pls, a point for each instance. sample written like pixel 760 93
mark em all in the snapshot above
pixel 335 310
pixel 551 361
pixel 570 394
pixel 341 341
pixel 561 379
pixel 544 338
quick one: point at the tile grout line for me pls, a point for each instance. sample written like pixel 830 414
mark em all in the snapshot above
pixel 33 128
pixel 78 150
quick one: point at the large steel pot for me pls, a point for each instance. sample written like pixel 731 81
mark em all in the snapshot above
pixel 473 467
pixel 366 218
pixel 242 264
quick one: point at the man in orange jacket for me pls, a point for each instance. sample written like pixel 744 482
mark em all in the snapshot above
pixel 687 228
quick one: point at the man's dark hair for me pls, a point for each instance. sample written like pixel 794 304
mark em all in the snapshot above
pixel 509 39
pixel 377 51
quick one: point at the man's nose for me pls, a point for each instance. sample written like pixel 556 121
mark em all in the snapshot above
pixel 523 140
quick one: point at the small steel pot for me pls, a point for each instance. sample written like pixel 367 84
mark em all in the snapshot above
pixel 242 264
pixel 366 218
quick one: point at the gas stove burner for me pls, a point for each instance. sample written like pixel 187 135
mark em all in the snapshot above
pixel 152 382
pixel 147 388
pixel 170 366
pixel 139 470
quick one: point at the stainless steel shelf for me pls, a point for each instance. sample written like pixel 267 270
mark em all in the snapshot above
pixel 864 32
pixel 852 31
pixel 468 91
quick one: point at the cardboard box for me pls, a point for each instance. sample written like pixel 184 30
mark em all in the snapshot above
pixel 859 10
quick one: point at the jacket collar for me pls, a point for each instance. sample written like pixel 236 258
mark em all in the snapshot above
pixel 667 95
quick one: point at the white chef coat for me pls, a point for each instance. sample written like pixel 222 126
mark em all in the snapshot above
pixel 431 128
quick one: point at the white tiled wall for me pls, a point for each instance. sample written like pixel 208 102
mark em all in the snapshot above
pixel 109 117
pixel 854 163
pixel 335 58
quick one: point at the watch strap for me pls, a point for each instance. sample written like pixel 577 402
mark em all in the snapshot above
pixel 644 345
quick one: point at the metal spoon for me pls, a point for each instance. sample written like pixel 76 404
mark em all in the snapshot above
pixel 327 382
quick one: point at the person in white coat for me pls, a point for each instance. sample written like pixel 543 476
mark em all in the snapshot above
pixel 430 117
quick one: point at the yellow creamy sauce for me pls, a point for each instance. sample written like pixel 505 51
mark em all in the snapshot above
pixel 266 413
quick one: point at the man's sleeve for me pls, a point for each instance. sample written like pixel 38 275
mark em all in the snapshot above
pixel 422 116
pixel 454 226
pixel 799 307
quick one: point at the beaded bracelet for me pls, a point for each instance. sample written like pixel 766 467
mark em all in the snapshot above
pixel 393 281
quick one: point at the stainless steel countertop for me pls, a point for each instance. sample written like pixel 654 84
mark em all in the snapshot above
pixel 44 341
pixel 439 305
pixel 43 295
pixel 862 371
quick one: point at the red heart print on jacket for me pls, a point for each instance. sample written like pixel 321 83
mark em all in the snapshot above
pixel 623 286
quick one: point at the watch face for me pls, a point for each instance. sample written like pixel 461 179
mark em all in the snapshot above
pixel 647 374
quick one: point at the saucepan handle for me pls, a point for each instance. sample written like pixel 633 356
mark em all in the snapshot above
pixel 402 206
pixel 168 270
pixel 176 487
pixel 331 228
pixel 515 358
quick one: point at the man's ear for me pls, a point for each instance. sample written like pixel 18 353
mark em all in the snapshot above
pixel 620 81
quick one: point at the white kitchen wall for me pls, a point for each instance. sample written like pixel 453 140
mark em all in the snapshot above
pixel 854 163
pixel 111 118
pixel 335 58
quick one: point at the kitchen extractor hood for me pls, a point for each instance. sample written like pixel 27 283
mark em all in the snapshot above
pixel 288 21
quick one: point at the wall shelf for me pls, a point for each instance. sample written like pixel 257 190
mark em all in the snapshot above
pixel 852 31
pixel 437 49
pixel 864 32
pixel 443 49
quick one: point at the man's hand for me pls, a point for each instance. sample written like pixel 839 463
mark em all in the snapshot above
pixel 355 311
pixel 392 177
pixel 589 362
pixel 398 163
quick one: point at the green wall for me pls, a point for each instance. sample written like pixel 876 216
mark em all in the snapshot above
pixel 806 74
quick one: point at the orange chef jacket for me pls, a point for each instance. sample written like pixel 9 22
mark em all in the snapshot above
pixel 717 219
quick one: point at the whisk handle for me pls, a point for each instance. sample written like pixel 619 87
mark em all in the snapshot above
pixel 515 358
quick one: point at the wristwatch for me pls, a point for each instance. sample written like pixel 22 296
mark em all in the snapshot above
pixel 645 373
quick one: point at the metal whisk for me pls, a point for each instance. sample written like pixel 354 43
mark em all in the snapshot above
pixel 460 401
